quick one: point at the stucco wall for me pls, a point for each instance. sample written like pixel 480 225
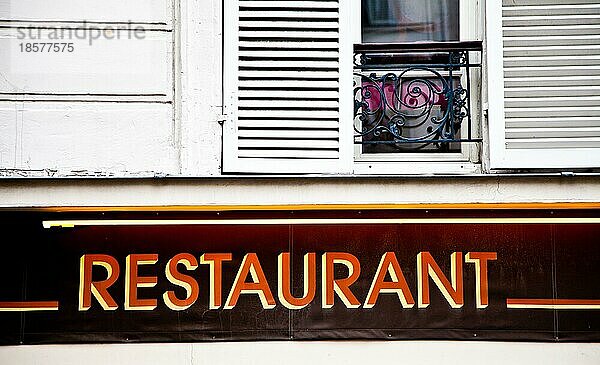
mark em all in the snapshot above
pixel 347 353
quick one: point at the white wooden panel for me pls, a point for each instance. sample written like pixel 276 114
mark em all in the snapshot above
pixel 118 66
pixel 93 137
pixel 141 11
pixel 9 135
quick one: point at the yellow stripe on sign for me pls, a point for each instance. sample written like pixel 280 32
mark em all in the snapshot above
pixel 316 221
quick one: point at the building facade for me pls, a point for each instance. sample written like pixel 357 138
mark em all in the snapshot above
pixel 319 105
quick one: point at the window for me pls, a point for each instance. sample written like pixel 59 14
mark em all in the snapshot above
pixel 399 21
pixel 290 71
pixel 411 93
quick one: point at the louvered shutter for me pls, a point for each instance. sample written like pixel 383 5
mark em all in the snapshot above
pixel 544 83
pixel 287 87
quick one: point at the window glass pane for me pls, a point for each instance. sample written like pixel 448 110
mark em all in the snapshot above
pixel 394 21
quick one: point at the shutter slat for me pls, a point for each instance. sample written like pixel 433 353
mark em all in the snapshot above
pixel 565 112
pixel 511 72
pixel 548 31
pixel 287 14
pixel 276 44
pixel 290 74
pixel 288 134
pixel 512 3
pixel 266 24
pixel 299 64
pixel 279 124
pixel 574 101
pixel 289 154
pixel 288 94
pixel 290 54
pixel 556 132
pixel 562 122
pixel 554 143
pixel 289 84
pixel 288 143
pixel 591 50
pixel 552 81
pixel 290 4
pixel 273 113
pixel 553 61
pixel 277 104
pixel 551 10
pixel 536 92
pixel 309 33
pixel 540 41
pixel 519 21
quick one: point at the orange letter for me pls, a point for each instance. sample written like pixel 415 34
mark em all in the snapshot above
pixel 480 260
pixel 133 282
pixel 187 282
pixel 426 266
pixel 389 264
pixel 87 287
pixel 259 285
pixel 215 261
pixel 310 276
pixel 339 286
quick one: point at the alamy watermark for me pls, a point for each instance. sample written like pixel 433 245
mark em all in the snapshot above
pixel 62 39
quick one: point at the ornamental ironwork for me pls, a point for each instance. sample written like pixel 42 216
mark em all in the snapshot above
pixel 413 97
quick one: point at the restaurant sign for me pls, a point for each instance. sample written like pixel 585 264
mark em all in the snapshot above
pixel 180 276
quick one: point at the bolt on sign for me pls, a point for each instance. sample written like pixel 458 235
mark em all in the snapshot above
pixel 85 276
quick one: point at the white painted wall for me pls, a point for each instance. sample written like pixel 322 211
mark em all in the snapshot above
pixel 252 191
pixel 291 353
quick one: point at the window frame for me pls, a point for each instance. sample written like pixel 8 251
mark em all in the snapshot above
pixel 468 161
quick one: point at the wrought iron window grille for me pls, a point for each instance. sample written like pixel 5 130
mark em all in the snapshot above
pixel 414 97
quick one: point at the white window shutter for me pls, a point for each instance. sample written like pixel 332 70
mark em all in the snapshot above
pixel 544 83
pixel 288 87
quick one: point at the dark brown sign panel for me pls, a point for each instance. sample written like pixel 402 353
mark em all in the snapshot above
pixel 93 277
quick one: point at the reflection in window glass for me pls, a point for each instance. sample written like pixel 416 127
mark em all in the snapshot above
pixel 397 21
